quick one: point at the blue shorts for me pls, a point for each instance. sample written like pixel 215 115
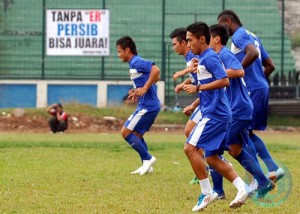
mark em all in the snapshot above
pixel 260 99
pixel 210 135
pixel 141 120
pixel 197 115
pixel 238 133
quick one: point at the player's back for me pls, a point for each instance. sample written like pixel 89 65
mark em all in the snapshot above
pixel 254 75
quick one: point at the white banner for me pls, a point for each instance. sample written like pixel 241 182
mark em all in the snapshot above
pixel 77 32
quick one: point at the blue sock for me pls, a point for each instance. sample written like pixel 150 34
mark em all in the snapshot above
pixel 217 180
pixel 248 162
pixel 250 148
pixel 263 153
pixel 137 144
pixel 144 143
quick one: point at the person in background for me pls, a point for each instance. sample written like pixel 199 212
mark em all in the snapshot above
pixel 127 100
pixel 59 120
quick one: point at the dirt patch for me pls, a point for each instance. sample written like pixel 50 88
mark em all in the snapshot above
pixel 77 123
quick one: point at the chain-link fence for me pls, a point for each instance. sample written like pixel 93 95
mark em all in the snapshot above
pixel 24 25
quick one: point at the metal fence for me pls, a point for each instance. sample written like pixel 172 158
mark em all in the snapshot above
pixel 23 36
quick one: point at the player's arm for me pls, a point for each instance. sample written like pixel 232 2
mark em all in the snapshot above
pixel 183 72
pixel 153 77
pixel 178 87
pixel 235 73
pixel 188 110
pixel 269 66
pixel 251 55
pixel 191 89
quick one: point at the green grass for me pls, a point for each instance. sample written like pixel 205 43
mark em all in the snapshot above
pixel 89 173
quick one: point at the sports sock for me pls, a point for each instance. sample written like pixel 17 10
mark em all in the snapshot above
pixel 250 148
pixel 263 153
pixel 239 183
pixel 205 186
pixel 144 143
pixel 248 162
pixel 217 180
pixel 138 146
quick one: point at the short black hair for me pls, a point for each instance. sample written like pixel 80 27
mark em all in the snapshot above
pixel 127 42
pixel 59 104
pixel 200 29
pixel 220 30
pixel 229 14
pixel 180 33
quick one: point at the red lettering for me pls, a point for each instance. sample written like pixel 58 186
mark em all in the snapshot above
pixel 94 16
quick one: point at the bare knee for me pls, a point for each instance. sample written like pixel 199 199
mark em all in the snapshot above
pixel 125 132
pixel 188 149
pixel 235 150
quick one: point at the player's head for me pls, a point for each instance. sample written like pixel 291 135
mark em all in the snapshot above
pixel 219 34
pixel 198 37
pixel 179 41
pixel 229 19
pixel 126 48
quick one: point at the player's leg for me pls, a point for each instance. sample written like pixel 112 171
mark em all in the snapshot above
pixel 133 130
pixel 260 98
pixel 227 171
pixel 217 180
pixel 198 164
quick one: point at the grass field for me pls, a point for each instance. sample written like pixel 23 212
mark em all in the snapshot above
pixel 89 173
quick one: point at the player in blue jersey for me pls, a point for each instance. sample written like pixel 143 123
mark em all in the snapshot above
pixel 211 132
pixel 144 74
pixel 248 49
pixel 180 46
pixel 242 109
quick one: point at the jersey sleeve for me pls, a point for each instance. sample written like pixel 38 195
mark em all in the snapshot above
pixel 230 61
pixel 241 40
pixel 214 66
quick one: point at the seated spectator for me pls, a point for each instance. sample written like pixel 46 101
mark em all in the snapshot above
pixel 59 120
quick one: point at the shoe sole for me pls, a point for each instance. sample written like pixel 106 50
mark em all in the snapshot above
pixel 239 203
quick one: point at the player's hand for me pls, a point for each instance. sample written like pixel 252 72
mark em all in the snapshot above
pixel 140 91
pixel 177 74
pixel 178 88
pixel 189 88
pixel 133 96
pixel 194 64
pixel 188 110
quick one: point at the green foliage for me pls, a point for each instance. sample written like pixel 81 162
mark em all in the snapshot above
pixel 89 173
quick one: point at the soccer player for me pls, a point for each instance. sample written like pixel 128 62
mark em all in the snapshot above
pixel 180 46
pixel 211 131
pixel 248 49
pixel 144 74
pixel 242 109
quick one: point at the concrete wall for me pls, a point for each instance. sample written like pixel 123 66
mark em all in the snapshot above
pixel 41 93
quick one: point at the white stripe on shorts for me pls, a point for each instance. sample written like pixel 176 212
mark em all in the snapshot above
pixel 136 118
pixel 196 134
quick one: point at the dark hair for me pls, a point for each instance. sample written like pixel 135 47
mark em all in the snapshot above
pixel 200 29
pixel 220 30
pixel 127 42
pixel 59 104
pixel 229 14
pixel 180 33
